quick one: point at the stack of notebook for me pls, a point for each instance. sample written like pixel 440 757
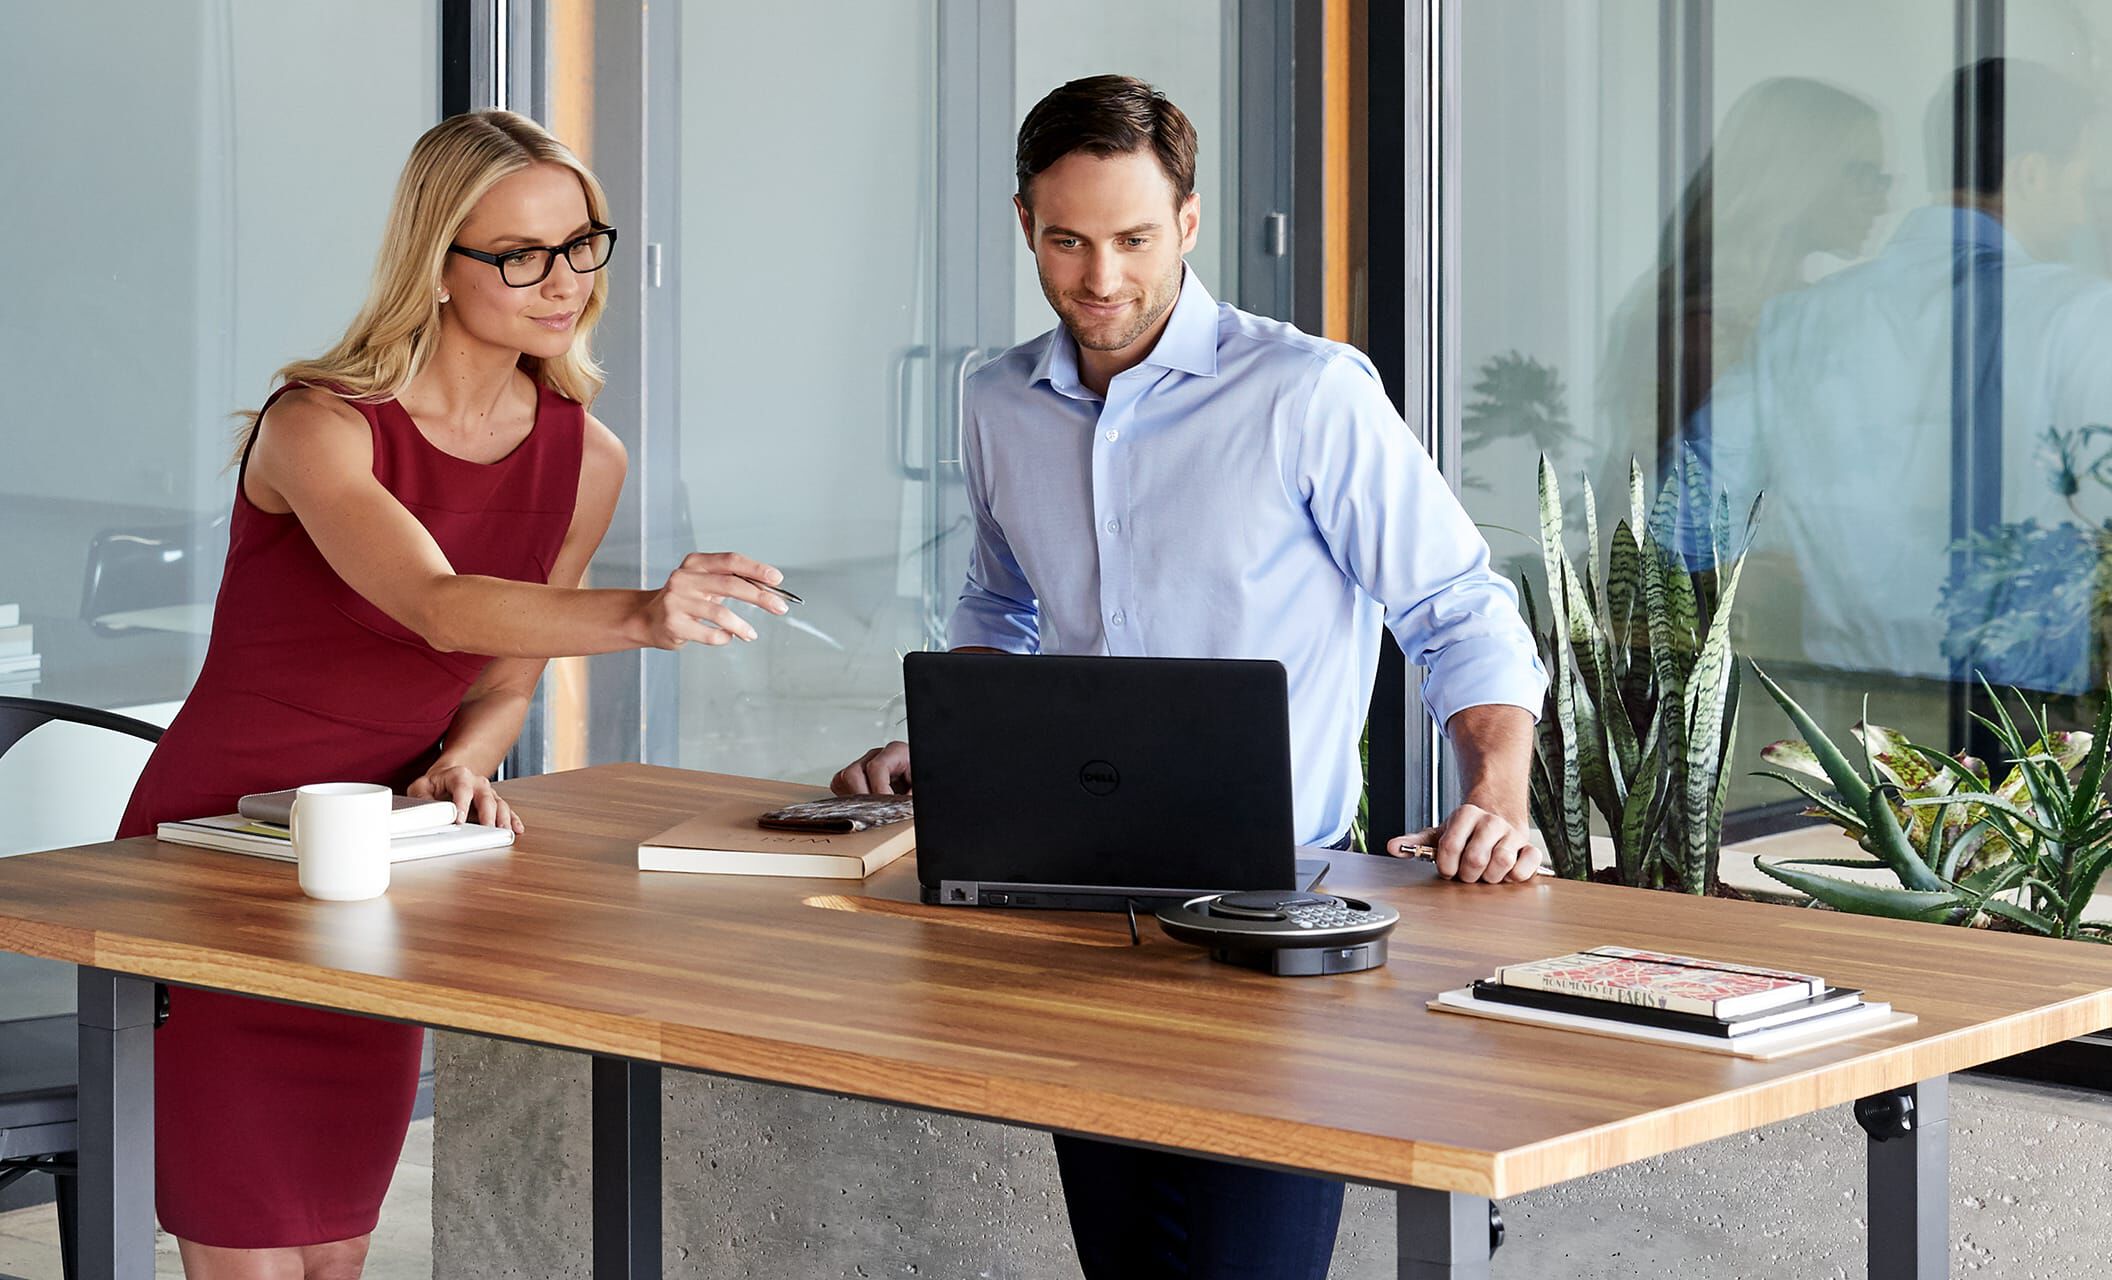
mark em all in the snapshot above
pixel 1710 1004
pixel 417 829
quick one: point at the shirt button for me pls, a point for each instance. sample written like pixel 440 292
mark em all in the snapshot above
pixel 1113 435
pixel 1114 526
pixel 1117 619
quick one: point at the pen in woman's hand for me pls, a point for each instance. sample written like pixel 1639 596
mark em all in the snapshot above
pixel 777 591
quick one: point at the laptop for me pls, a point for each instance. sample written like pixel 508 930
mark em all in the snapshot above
pixel 1095 783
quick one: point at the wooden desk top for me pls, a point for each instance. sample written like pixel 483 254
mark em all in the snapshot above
pixel 1051 1019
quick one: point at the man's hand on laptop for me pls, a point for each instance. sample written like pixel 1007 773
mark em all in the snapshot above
pixel 1475 844
pixel 883 771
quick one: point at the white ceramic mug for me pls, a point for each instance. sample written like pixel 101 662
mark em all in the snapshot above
pixel 341 839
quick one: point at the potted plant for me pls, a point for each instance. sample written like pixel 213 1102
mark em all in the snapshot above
pixel 2025 851
pixel 1642 700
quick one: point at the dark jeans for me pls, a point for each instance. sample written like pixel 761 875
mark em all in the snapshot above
pixel 1138 1214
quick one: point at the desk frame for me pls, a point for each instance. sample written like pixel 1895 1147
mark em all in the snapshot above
pixel 1440 1235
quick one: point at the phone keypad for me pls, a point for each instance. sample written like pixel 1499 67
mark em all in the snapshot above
pixel 1328 915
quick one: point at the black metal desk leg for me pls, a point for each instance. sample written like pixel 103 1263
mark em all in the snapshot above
pixel 1910 1193
pixel 116 1186
pixel 626 1170
pixel 1443 1235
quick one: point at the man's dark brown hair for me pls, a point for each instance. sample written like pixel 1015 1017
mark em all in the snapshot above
pixel 1107 116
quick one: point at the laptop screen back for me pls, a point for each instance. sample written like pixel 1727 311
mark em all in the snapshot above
pixel 1143 772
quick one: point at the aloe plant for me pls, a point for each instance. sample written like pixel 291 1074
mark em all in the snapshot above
pixel 2029 850
pixel 1642 701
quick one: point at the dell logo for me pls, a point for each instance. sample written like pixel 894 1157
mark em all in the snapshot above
pixel 1099 777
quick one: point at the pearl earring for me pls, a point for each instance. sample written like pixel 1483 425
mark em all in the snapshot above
pixel 446 296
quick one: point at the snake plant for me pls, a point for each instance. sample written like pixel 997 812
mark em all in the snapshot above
pixel 2028 850
pixel 1642 700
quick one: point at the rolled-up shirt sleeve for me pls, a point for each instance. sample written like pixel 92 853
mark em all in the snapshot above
pixel 997 609
pixel 1395 528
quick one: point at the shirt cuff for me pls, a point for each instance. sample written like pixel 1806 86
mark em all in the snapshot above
pixel 986 624
pixel 1485 671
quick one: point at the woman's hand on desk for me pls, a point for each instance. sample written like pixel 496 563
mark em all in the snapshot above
pixel 693 607
pixel 883 771
pixel 475 800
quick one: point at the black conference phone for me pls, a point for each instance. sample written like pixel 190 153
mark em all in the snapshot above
pixel 1284 931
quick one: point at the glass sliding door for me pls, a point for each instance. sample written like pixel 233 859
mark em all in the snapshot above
pixel 205 198
pixel 1866 273
pixel 832 252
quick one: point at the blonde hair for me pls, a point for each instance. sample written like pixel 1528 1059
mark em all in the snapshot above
pixel 451 168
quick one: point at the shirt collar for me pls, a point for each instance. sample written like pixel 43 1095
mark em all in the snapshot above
pixel 1189 342
pixel 1960 227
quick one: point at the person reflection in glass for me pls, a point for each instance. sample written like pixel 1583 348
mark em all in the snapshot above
pixel 1845 409
pixel 1794 184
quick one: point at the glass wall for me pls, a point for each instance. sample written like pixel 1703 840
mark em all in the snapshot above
pixel 842 253
pixel 191 205
pixel 1832 257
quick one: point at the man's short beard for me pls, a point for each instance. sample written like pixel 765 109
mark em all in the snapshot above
pixel 1153 314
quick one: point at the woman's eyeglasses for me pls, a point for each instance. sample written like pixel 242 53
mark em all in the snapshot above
pixel 530 265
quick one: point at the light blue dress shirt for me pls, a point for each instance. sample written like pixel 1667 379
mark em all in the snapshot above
pixel 1247 491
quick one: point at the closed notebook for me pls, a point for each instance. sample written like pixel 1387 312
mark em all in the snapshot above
pixel 726 837
pixel 407 816
pixel 1682 984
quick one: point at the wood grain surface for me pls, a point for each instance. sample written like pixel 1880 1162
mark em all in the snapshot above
pixel 1035 1018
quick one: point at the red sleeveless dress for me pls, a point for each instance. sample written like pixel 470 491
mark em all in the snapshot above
pixel 278 1126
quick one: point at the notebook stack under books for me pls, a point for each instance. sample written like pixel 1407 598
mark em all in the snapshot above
pixel 417 829
pixel 20 664
pixel 1708 1004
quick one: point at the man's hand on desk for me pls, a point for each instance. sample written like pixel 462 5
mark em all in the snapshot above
pixel 1475 844
pixel 883 771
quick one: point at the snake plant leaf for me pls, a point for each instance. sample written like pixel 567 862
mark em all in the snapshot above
pixel 1864 899
pixel 1591 545
pixel 1639 816
pixel 1638 506
pixel 1723 779
pixel 1853 790
pixel 1603 731
pixel 1707 695
pixel 1576 820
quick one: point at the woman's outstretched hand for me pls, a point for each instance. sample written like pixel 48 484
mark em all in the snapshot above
pixel 694 607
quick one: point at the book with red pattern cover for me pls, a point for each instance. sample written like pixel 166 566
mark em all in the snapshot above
pixel 1658 980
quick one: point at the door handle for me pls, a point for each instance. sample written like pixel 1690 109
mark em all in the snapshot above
pixel 968 362
pixel 898 387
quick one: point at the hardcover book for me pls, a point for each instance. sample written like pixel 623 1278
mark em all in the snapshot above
pixel 728 838
pixel 1835 1000
pixel 1681 984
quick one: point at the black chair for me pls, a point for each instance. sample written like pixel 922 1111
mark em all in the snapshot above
pixel 39 1106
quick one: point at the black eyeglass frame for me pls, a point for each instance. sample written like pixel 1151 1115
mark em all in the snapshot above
pixel 498 260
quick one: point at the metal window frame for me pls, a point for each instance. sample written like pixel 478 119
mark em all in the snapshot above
pixel 1412 125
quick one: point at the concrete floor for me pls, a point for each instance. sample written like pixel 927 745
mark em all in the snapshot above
pixel 403 1243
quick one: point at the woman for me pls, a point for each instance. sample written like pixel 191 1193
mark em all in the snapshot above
pixel 1797 171
pixel 413 514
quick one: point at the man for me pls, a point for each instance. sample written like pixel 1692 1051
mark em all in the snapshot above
pixel 1849 403
pixel 1166 476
